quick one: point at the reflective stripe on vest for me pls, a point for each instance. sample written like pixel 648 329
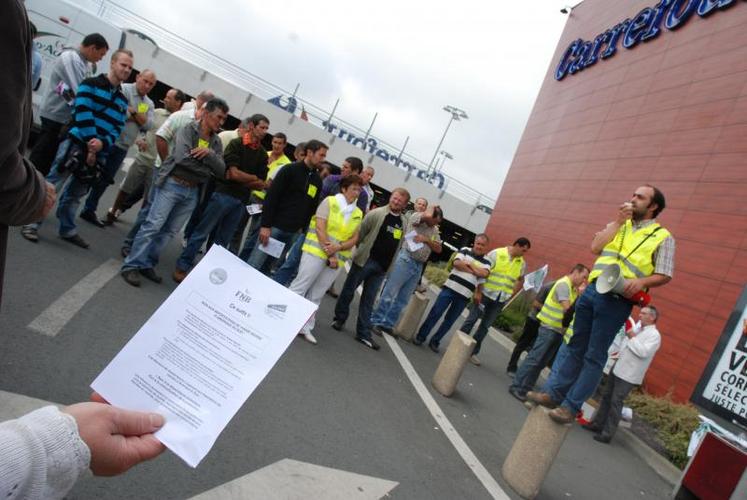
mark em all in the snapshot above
pixel 640 263
pixel 569 331
pixel 505 272
pixel 338 231
pixel 551 314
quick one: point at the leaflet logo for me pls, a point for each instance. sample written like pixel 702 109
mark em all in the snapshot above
pixel 276 311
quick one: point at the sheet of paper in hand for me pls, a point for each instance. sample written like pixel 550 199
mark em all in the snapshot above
pixel 274 248
pixel 204 351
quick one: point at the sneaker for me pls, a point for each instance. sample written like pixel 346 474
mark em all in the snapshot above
pixel 76 240
pixel 151 275
pixel 337 325
pixel 542 399
pixel 179 275
pixel 131 277
pixel 417 341
pixel 433 347
pixel 124 251
pixel 378 330
pixel 474 360
pixel 521 397
pixel 562 415
pixel 368 343
pixel 30 233
pixel 91 217
pixel 309 338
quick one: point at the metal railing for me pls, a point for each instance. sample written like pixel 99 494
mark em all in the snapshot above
pixel 124 18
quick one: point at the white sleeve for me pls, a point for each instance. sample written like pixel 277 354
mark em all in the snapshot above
pixel 41 455
pixel 644 344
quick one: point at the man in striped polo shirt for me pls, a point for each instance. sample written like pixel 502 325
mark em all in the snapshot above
pixel 471 267
pixel 99 114
pixel 550 335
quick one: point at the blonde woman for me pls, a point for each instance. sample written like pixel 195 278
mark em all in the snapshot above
pixel 332 234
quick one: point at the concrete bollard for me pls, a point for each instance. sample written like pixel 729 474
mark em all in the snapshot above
pixel 452 364
pixel 407 326
pixel 533 452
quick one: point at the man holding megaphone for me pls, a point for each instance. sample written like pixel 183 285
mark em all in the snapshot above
pixel 635 254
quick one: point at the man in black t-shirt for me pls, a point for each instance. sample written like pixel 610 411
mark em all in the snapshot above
pixel 246 169
pixel 379 240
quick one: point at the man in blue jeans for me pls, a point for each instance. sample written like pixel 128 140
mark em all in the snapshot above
pixel 551 330
pixel 644 251
pixel 379 240
pixel 504 281
pixel 246 169
pixel 291 201
pixel 471 267
pixel 197 155
pixel 421 238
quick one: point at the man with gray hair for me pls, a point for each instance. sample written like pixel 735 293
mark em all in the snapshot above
pixel 165 138
pixel 197 156
pixel 636 353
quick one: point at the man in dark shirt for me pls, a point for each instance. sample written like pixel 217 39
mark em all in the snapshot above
pixel 246 169
pixel 379 240
pixel 291 201
pixel 197 156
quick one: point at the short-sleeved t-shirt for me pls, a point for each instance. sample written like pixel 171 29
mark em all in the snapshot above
pixel 430 232
pixel 462 282
pixel 387 240
pixel 561 293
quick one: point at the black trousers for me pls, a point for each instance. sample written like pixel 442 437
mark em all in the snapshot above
pixel 607 417
pixel 45 148
pixel 524 344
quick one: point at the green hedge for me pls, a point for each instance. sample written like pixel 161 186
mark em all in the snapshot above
pixel 674 422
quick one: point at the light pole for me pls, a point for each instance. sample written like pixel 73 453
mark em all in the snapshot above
pixel 447 156
pixel 456 114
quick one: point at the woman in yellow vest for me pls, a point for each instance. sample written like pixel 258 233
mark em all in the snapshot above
pixel 332 234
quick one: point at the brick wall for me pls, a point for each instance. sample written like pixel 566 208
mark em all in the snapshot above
pixel 671 112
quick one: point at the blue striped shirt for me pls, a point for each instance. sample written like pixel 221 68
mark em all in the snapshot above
pixel 99 111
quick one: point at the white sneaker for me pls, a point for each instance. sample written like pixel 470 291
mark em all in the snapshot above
pixel 309 338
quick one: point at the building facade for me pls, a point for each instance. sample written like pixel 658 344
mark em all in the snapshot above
pixel 643 92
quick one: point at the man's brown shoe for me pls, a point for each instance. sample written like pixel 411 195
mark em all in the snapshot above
pixel 179 275
pixel 542 399
pixel 562 415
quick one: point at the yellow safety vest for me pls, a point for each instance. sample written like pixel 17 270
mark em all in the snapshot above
pixel 569 331
pixel 338 231
pixel 551 314
pixel 640 263
pixel 505 272
pixel 283 160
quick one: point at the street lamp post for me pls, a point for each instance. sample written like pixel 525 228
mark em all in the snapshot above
pixel 456 114
pixel 446 156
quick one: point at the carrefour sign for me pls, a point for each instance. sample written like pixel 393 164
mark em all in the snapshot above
pixel 643 27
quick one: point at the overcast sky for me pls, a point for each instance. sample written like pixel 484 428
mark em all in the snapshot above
pixel 402 59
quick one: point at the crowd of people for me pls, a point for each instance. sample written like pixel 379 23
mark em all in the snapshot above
pixel 223 187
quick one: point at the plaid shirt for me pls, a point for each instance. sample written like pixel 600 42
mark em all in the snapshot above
pixel 664 255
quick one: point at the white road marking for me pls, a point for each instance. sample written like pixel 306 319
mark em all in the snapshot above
pixel 459 444
pixel 56 316
pixel 290 479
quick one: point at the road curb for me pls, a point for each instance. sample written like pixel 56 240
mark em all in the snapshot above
pixel 663 467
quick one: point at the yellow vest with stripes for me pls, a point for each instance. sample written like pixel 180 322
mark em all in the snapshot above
pixel 338 231
pixel 640 263
pixel 505 272
pixel 569 331
pixel 551 314
pixel 283 160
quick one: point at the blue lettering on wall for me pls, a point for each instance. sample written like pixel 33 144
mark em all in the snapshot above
pixel 645 26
